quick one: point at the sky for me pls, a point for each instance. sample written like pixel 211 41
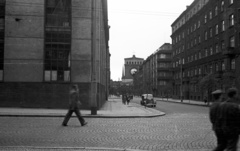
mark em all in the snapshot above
pixel 139 27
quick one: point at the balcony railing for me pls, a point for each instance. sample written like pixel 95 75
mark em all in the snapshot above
pixel 164 77
pixel 231 51
pixel 164 68
pixel 230 74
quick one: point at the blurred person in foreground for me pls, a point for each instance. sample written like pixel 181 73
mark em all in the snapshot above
pixel 225 119
pixel 74 105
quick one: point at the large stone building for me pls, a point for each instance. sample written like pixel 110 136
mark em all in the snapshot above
pixel 131 67
pixel 206 47
pixel 47 45
pixel 157 73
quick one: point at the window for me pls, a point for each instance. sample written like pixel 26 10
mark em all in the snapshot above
pixel 216 67
pixel 199 55
pixel 210 32
pixel 57 41
pixel 230 2
pixel 206 52
pixel 232 41
pixel 223 66
pixel 216 48
pixel 216 10
pixel 161 82
pixel 163 56
pixel 216 29
pixel 222 5
pixel 223 25
pixel 233 64
pixel 210 15
pixel 231 20
pixel 205 36
pixel 211 69
pixel 211 51
pixel 222 45
pixel 205 19
pixel 199 24
pixel 199 39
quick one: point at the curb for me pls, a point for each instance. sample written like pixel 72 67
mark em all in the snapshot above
pixel 85 116
pixel 70 148
pixel 203 105
pixel 149 114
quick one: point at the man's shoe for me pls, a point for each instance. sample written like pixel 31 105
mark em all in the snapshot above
pixel 85 123
pixel 64 124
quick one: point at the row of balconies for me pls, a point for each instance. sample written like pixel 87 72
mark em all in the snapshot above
pixel 229 52
pixel 217 75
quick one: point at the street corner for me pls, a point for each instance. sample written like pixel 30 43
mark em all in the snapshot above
pixel 147 111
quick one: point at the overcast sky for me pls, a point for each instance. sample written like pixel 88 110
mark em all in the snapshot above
pixel 139 27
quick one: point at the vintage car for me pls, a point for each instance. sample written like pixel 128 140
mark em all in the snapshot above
pixel 148 100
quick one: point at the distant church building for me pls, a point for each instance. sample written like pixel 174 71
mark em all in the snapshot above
pixel 131 66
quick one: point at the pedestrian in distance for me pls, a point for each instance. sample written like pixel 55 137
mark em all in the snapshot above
pixel 124 99
pixel 74 105
pixel 205 100
pixel 233 95
pixel 127 99
pixel 225 119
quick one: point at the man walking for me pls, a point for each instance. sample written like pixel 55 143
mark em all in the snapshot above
pixel 74 104
pixel 225 119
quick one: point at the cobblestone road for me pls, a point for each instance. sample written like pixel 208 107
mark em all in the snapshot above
pixel 170 132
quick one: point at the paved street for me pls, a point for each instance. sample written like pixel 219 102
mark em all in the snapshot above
pixel 170 132
pixel 185 130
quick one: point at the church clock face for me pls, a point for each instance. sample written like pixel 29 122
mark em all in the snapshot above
pixel 133 71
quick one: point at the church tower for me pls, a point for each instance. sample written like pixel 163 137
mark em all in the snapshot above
pixel 131 67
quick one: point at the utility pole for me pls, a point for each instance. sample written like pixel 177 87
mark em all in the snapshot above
pixel 181 91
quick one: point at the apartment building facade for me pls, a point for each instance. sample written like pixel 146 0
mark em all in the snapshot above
pixel 205 40
pixel 48 45
pixel 157 73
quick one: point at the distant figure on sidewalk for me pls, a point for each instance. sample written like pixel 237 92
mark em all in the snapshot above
pixel 124 99
pixel 74 104
pixel 225 119
pixel 128 99
pixel 233 95
pixel 205 100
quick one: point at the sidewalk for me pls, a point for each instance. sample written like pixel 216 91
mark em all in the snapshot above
pixel 113 108
pixel 190 102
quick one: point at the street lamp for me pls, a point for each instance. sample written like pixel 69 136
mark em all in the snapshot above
pixel 181 80
pixel 181 89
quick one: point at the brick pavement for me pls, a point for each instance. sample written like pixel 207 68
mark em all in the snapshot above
pixel 176 132
pixel 165 133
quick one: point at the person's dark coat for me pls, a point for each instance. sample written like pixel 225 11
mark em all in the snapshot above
pixel 225 117
pixel 74 101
